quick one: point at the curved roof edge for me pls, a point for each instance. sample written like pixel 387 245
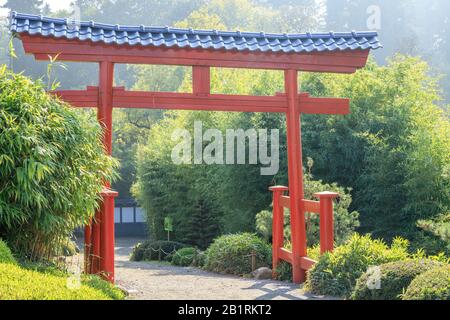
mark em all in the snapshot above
pixel 189 38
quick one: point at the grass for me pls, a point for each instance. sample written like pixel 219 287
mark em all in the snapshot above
pixel 18 283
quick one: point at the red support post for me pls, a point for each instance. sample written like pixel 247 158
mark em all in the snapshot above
pixel 95 249
pixel 107 236
pixel 104 115
pixel 100 253
pixel 326 220
pixel 201 80
pixel 105 108
pixel 87 248
pixel 295 172
pixel 277 225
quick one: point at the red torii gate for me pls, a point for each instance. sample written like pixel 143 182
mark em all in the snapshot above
pixel 203 49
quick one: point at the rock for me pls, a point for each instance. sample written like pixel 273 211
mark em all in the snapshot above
pixel 262 274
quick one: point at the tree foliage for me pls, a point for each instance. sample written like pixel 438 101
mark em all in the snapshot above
pixel 393 149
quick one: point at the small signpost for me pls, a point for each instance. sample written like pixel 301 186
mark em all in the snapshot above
pixel 168 226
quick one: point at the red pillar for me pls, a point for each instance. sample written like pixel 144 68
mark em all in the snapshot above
pixel 104 116
pixel 277 225
pixel 201 80
pixel 95 249
pixel 104 111
pixel 102 257
pixel 107 235
pixel 295 171
pixel 326 220
pixel 88 247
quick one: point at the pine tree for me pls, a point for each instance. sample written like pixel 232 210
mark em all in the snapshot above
pixel 204 225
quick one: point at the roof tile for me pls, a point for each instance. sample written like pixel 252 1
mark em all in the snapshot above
pixel 206 39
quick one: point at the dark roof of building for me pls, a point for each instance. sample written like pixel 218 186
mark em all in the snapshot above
pixel 190 38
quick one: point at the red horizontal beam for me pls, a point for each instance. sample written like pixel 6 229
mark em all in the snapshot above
pixel 311 206
pixel 285 255
pixel 307 263
pixel 208 102
pixel 75 50
pixel 188 101
pixel 79 98
pixel 312 105
pixel 285 202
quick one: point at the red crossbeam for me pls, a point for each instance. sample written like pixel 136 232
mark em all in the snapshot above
pixel 285 254
pixel 208 102
pixel 79 98
pixel 76 50
pixel 305 262
pixel 188 101
pixel 311 206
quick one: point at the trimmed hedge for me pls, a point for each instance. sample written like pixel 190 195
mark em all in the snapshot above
pixel 17 283
pixel 431 285
pixel 336 273
pixel 155 250
pixel 184 257
pixel 394 278
pixel 5 254
pixel 232 254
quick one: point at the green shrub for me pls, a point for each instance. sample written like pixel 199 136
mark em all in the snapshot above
pixel 70 249
pixel 155 250
pixel 52 166
pixel 5 254
pixel 66 248
pixel 284 271
pixel 184 257
pixel 431 285
pixel 232 254
pixel 199 259
pixel 17 283
pixel 336 273
pixel 394 278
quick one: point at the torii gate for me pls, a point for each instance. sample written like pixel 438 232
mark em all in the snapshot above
pixel 107 45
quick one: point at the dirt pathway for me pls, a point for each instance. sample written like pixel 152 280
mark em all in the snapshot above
pixel 161 281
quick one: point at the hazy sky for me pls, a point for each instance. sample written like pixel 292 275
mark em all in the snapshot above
pixel 54 4
pixel 59 4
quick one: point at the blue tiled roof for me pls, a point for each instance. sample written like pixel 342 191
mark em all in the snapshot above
pixel 189 38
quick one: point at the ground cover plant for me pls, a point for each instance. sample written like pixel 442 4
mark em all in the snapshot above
pixel 336 273
pixel 394 278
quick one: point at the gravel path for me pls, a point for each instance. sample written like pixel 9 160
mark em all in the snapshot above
pixel 160 281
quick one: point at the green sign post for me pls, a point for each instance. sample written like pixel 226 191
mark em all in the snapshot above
pixel 168 226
